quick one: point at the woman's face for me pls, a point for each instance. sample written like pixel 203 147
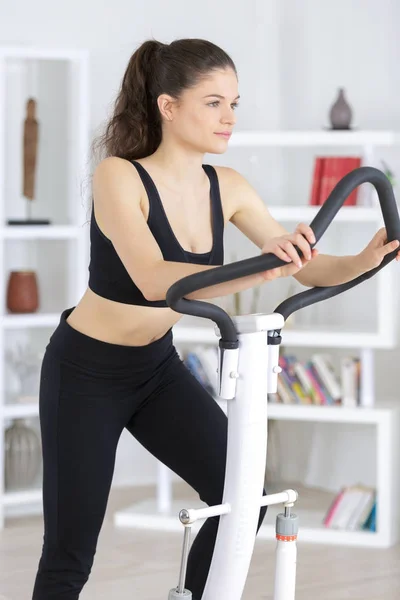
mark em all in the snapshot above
pixel 204 113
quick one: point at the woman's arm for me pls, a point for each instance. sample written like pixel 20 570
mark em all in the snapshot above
pixel 116 192
pixel 252 217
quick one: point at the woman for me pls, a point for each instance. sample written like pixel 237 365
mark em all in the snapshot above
pixel 158 215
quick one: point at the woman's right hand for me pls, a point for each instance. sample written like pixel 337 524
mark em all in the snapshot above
pixel 284 248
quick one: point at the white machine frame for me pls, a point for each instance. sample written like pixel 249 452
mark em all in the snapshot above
pixel 245 377
pixel 248 371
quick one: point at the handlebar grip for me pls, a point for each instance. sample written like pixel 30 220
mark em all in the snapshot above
pixel 258 264
pixel 344 188
pixel 326 215
pixel 198 281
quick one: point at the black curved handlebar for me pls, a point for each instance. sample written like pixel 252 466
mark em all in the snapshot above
pixel 264 262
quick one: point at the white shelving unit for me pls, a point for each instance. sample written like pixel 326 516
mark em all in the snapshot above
pixel 161 511
pixel 40 232
pixel 20 67
pixel 298 138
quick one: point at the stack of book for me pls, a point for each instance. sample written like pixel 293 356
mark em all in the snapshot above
pixel 300 382
pixel 316 382
pixel 353 509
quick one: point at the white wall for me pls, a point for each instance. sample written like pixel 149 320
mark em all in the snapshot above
pixel 291 56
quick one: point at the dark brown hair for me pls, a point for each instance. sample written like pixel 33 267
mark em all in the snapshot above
pixel 134 130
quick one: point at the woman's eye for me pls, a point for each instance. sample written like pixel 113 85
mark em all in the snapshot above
pixel 216 103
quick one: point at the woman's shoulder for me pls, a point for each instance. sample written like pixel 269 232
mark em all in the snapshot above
pixel 231 181
pixel 112 166
pixel 115 179
pixel 229 176
pixel 114 172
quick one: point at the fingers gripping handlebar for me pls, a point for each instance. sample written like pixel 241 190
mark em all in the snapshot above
pixel 250 266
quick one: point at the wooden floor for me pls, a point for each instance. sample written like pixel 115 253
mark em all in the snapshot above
pixel 137 565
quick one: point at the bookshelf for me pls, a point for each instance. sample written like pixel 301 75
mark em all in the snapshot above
pixel 58 77
pixel 160 512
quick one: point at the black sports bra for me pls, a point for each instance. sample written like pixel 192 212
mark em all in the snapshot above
pixel 108 276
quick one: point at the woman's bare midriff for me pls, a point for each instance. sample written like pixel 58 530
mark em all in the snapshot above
pixel 122 324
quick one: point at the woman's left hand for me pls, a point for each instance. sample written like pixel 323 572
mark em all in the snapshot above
pixel 376 250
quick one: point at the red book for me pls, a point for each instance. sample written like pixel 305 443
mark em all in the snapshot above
pixel 351 164
pixel 334 169
pixel 328 178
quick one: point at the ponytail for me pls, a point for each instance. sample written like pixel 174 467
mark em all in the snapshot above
pixel 134 130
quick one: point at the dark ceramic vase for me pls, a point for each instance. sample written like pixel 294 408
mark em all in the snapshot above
pixel 340 113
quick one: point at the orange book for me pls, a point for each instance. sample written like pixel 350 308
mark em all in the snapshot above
pixel 316 182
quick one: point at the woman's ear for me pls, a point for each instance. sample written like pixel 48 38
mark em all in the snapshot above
pixel 166 105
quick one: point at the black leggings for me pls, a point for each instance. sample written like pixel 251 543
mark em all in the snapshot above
pixel 90 390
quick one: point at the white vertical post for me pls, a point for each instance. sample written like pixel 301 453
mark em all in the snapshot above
pixel 79 170
pixel 2 134
pixel 245 470
pixel 386 525
pixel 285 570
pixel 386 305
pixel 164 488
pixel 367 378
pixel 2 284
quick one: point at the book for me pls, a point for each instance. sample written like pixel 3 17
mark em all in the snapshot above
pixel 316 381
pixel 351 509
pixel 350 377
pixel 310 382
pixel 328 171
pixel 326 372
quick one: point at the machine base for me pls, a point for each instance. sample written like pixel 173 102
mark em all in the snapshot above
pixel 175 595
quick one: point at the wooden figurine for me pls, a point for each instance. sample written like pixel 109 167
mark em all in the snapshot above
pixel 30 154
pixel 31 134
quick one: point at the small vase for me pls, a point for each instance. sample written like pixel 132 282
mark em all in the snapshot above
pixel 22 456
pixel 340 113
pixel 22 292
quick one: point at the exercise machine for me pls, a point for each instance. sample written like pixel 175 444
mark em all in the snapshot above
pixel 248 354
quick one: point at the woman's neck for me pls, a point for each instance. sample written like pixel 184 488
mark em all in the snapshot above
pixel 179 167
